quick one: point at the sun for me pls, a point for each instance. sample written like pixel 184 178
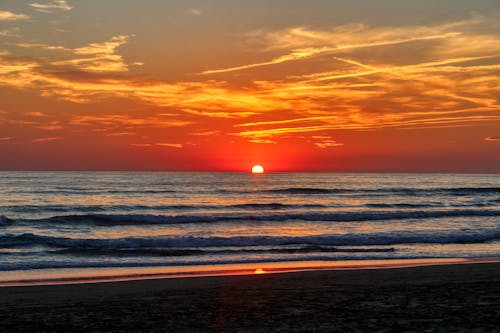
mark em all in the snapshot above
pixel 257 169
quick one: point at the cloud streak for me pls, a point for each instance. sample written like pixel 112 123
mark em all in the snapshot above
pixel 51 6
pixel 341 39
pixel 98 57
pixel 10 16
pixel 46 139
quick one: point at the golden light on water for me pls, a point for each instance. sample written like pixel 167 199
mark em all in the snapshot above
pixel 257 169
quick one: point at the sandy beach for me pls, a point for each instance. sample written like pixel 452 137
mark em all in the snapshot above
pixel 443 298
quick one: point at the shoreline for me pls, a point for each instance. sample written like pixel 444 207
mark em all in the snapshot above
pixel 74 276
pixel 435 298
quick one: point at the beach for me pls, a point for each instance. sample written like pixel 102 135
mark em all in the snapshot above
pixel 439 298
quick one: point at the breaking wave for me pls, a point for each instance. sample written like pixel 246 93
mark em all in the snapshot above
pixel 374 215
pixel 371 239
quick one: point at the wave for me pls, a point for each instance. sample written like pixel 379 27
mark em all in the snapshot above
pixel 72 263
pixel 108 208
pixel 404 205
pixel 273 206
pixel 130 219
pixel 460 191
pixel 139 191
pixel 304 190
pixel 372 239
pixel 4 220
pixel 95 191
pixel 162 252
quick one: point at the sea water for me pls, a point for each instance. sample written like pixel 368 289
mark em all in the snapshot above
pixel 61 220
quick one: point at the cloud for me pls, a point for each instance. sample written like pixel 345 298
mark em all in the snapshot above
pixel 209 98
pixel 218 113
pixel 36 114
pixel 10 32
pixel 51 126
pixel 51 6
pixel 206 133
pixel 140 145
pixel 9 16
pixel 286 121
pixel 350 35
pixel 305 43
pixel 262 141
pixel 159 144
pixel 121 134
pixel 173 145
pixel 195 11
pixel 369 123
pixel 411 80
pixel 327 143
pixel 492 138
pixel 47 139
pixel 256 134
pixel 126 121
pixel 43 46
pixel 8 138
pixel 98 57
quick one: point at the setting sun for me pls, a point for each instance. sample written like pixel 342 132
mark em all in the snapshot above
pixel 257 169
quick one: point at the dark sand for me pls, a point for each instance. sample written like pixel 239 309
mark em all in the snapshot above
pixel 448 298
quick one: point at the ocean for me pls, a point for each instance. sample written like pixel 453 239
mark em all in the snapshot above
pixel 55 221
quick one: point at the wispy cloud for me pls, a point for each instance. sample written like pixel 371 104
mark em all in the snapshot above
pixel 10 16
pixel 36 114
pixel 194 11
pixel 286 121
pixel 140 145
pixel 367 123
pixel 47 139
pixel 121 134
pixel 10 32
pixel 160 144
pixel 51 6
pixel 205 133
pixel 98 57
pixel 126 121
pixel 305 43
pixel 262 141
pixel 492 138
pixel 327 143
pixel 43 46
pixel 50 126
pixel 166 144
pixel 54 126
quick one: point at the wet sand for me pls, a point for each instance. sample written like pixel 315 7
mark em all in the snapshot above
pixel 445 298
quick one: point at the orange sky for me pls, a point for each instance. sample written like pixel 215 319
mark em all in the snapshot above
pixel 359 85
